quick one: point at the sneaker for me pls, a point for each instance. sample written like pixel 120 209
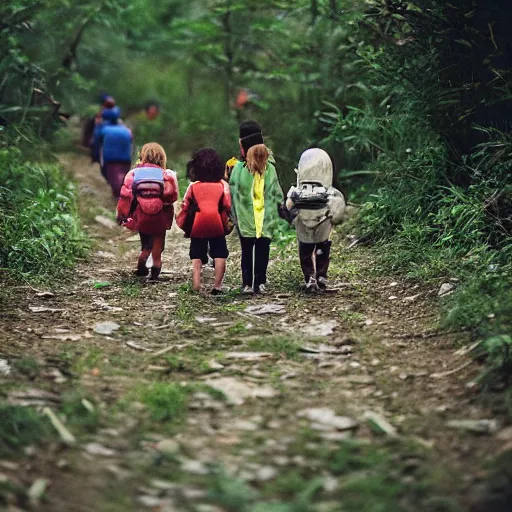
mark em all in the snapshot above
pixel 247 290
pixel 217 291
pixel 322 282
pixel 262 289
pixel 311 285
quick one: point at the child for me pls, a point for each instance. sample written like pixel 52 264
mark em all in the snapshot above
pixel 317 205
pixel 257 196
pixel 205 214
pixel 146 205
pixel 112 148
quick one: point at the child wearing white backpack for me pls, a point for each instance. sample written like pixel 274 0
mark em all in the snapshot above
pixel 315 206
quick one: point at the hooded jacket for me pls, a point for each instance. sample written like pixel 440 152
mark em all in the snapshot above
pixel 314 225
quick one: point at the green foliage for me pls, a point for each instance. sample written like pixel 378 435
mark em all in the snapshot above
pixel 497 352
pixel 80 413
pixel 166 402
pixel 20 427
pixel 40 232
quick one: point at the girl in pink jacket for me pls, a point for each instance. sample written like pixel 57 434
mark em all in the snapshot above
pixel 146 205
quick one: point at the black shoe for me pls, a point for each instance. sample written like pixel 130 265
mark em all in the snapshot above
pixel 155 273
pixel 217 291
pixel 142 270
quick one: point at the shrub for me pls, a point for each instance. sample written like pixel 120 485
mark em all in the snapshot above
pixel 40 232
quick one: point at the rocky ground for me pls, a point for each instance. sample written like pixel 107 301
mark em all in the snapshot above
pixel 152 397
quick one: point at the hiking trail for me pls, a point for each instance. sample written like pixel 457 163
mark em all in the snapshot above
pixel 179 401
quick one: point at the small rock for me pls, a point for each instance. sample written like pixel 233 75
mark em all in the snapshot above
pixel 474 426
pixel 45 295
pixel 205 319
pixel 105 255
pixel 195 467
pixel 99 449
pixel 327 418
pixel 106 328
pixel 319 328
pixel 393 284
pixel 266 473
pixel 380 424
pixel 43 309
pixel 330 484
pixel 248 356
pixel 245 425
pixel 163 485
pixel 237 391
pixel 375 362
pixel 168 447
pixel 5 368
pixel 215 365
pixel 368 322
pixel 150 501
pixel 106 222
pixel 505 434
pixel 37 490
pixel 412 298
pixel 446 289
pixel 392 297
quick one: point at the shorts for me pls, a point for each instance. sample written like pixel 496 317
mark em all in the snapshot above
pixel 217 248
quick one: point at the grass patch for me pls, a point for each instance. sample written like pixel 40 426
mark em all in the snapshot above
pixel 283 345
pixel 28 366
pixel 20 427
pixel 166 402
pixel 80 413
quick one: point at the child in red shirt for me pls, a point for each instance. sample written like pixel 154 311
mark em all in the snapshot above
pixel 146 205
pixel 205 215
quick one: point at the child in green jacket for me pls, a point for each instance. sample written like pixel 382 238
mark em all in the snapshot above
pixel 256 196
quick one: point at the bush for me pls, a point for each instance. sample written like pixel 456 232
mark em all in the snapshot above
pixel 40 232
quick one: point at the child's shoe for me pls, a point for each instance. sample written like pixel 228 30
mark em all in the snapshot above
pixel 155 273
pixel 217 291
pixel 142 270
pixel 247 290
pixel 311 285
pixel 262 289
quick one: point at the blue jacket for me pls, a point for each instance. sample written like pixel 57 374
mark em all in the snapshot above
pixel 112 143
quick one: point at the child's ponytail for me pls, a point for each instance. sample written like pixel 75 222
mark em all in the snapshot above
pixel 257 158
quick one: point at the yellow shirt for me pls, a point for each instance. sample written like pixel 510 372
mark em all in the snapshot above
pixel 258 200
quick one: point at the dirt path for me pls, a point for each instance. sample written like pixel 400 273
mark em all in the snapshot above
pixel 335 402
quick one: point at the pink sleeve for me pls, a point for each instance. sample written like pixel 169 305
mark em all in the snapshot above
pixel 126 196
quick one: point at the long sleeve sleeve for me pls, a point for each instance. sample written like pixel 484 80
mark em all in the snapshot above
pixel 336 203
pixel 124 204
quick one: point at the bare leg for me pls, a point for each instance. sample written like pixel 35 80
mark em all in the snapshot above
pixel 158 248
pixel 220 270
pixel 197 267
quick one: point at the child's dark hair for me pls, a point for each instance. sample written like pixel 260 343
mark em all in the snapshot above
pixel 206 165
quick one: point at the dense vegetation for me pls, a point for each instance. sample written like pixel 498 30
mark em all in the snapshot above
pixel 412 99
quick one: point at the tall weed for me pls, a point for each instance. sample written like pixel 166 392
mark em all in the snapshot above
pixel 40 232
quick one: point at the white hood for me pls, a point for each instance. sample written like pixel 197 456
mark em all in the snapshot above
pixel 315 166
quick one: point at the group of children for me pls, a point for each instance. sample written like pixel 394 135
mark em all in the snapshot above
pixel 243 193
